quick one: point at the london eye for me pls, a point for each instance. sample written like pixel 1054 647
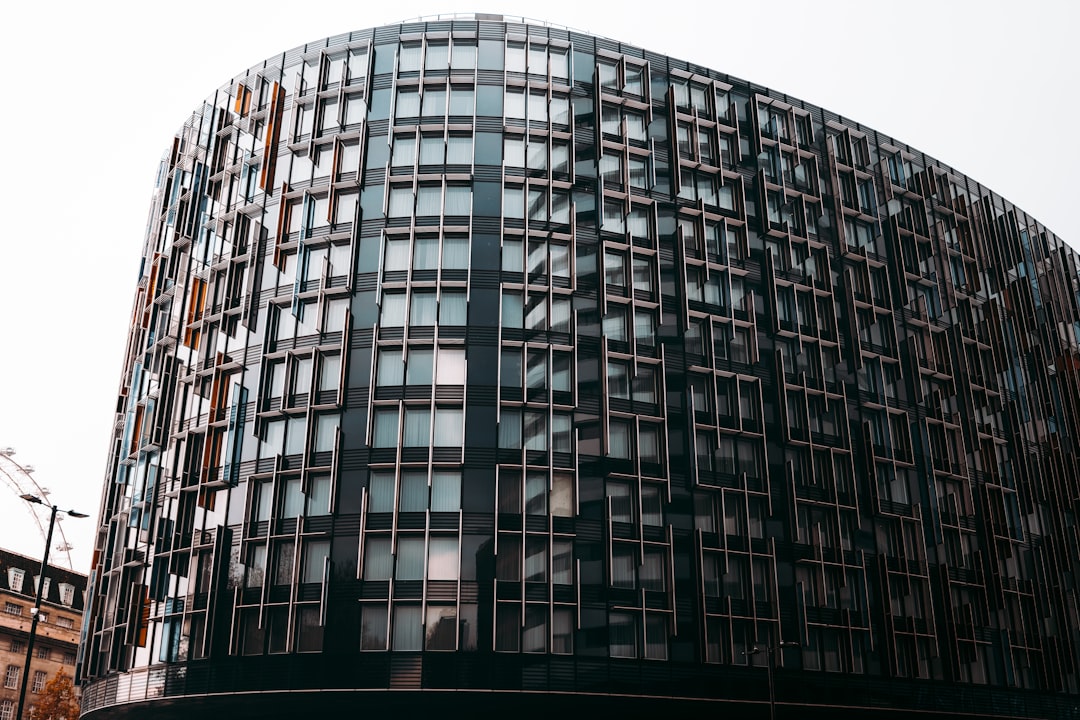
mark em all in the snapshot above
pixel 19 479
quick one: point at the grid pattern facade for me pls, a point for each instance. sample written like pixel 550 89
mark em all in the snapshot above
pixel 498 356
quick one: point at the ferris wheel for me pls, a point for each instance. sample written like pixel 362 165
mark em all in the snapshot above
pixel 19 480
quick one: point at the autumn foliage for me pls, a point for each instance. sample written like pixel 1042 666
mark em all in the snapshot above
pixel 57 701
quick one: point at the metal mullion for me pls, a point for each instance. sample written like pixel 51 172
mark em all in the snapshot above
pixel 442 200
pixel 335 164
pixel 427 554
pixel 641 635
pixel 324 68
pixel 524 543
pixel 574 450
pixel 610 542
pixel 699 565
pixel 324 590
pixel 599 113
pixel 265 589
pixel 363 533
pixel 716 416
pixel 335 462
pixel 675 161
pixel 465 404
pixel 727 276
pixel 549 191
pixel 290 635
pixel 346 332
pixel 680 264
pixel 637 468
pixel 695 146
pixel 671 579
pixel 551 565
pixel 549 94
pixel 577 587
pixel 522 451
pixel 498 482
pixel 367 47
pixel 605 421
pixel 389 143
pixel 549 392
pixel 309 425
pixel 457 589
pixel 750 554
pixel 324 274
pixel 774 601
pixel 663 394
pixel 431 396
pixel 397 481
pixel 753 594
pixel 695 470
pixel 601 270
pixel 380 268
pixel 234 633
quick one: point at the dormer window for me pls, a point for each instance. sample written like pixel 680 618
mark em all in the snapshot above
pixel 67 593
pixel 45 589
pixel 15 579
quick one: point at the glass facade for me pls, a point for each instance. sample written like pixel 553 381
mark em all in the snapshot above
pixel 470 354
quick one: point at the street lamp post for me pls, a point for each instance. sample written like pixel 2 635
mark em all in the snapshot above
pixel 36 611
pixel 770 651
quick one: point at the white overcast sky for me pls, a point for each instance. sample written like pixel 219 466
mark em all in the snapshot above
pixel 94 91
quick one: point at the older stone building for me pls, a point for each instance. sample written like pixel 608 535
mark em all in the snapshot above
pixel 57 638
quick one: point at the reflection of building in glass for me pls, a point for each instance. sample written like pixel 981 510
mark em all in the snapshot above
pixel 472 355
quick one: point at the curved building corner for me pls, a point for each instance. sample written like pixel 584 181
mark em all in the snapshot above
pixel 487 368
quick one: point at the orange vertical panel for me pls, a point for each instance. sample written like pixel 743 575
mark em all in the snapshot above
pixel 144 617
pixel 273 135
pixel 242 105
pixel 136 429
pixel 212 449
pixel 196 298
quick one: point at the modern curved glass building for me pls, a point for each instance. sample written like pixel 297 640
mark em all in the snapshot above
pixel 481 367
